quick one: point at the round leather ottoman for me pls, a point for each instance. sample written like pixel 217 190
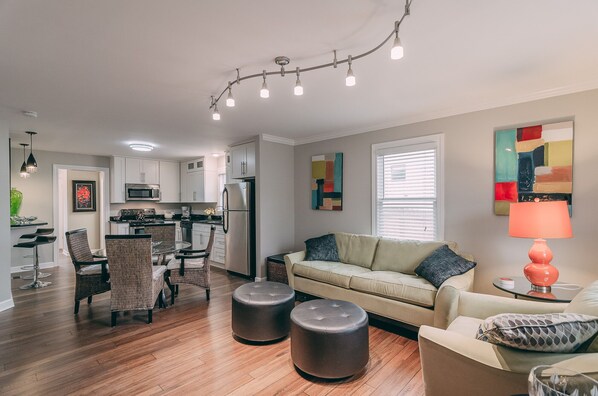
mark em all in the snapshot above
pixel 261 311
pixel 329 338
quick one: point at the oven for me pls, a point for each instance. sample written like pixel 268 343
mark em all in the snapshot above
pixel 136 229
pixel 142 192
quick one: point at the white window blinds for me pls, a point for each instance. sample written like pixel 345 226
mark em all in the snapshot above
pixel 407 189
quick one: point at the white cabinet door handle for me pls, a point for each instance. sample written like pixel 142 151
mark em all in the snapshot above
pixel 194 195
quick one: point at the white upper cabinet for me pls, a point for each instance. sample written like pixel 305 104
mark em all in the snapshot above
pixel 117 180
pixel 170 182
pixel 243 161
pixel 200 180
pixel 142 171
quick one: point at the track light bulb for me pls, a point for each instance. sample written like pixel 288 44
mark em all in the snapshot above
pixel 216 113
pixel 264 92
pixel 298 91
pixel 230 100
pixel 350 79
pixel 397 49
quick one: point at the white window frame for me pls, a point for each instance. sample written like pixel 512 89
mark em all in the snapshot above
pixel 438 140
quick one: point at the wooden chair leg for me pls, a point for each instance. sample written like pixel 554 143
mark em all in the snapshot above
pixel 113 319
pixel 171 294
pixel 149 316
pixel 208 294
pixel 76 307
pixel 89 299
pixel 176 287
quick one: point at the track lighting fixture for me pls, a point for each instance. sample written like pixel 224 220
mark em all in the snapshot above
pixel 298 91
pixel 23 172
pixel 396 52
pixel 264 92
pixel 230 100
pixel 31 162
pixel 350 79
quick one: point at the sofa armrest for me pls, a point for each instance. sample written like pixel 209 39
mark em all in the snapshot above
pixel 497 370
pixel 482 306
pixel 289 261
pixel 447 298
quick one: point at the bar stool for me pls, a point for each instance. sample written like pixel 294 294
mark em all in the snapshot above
pixel 38 232
pixel 39 240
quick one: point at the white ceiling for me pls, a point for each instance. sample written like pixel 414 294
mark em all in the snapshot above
pixel 104 73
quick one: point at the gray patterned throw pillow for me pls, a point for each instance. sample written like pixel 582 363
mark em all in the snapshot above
pixel 322 248
pixel 563 333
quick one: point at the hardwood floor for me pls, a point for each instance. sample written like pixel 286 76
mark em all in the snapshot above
pixel 188 349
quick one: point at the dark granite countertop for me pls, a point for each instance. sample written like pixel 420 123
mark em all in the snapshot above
pixel 28 225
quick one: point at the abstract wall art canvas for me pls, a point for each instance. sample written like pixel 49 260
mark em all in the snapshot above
pixel 327 181
pixel 533 162
pixel 84 196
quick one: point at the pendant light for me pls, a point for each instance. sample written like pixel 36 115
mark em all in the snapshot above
pixel 264 92
pixel 350 79
pixel 23 172
pixel 230 100
pixel 298 91
pixel 31 162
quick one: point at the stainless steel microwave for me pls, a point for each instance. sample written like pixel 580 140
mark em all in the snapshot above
pixel 142 192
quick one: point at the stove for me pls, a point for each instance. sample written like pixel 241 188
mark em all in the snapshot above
pixel 138 218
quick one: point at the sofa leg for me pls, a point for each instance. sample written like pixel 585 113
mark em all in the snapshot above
pixel 89 299
pixel 113 319
pixel 149 316
pixel 76 307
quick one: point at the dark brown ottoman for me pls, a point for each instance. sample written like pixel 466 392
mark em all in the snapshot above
pixel 261 311
pixel 329 338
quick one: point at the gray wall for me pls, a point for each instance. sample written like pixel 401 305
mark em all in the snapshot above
pixel 5 249
pixel 469 186
pixel 275 197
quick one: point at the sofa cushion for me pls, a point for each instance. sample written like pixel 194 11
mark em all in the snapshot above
pixel 396 286
pixel 465 326
pixel 404 255
pixel 331 272
pixel 321 248
pixel 442 264
pixel 356 249
pixel 586 303
pixel 557 332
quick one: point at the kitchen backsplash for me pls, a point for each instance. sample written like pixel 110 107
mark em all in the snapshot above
pixel 197 208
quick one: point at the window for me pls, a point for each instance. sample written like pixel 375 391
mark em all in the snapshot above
pixel 407 189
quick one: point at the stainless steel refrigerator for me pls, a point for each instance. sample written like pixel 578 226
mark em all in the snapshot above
pixel 238 223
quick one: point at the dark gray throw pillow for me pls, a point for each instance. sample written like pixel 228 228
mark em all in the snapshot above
pixel 441 265
pixel 322 249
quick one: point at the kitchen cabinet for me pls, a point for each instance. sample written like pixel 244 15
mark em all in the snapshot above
pixel 170 190
pixel 142 171
pixel 119 228
pixel 117 180
pixel 201 237
pixel 200 182
pixel 243 161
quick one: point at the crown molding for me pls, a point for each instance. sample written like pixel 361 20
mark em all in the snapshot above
pixel 278 139
pixel 456 110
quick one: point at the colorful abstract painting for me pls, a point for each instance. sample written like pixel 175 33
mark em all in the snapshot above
pixel 533 162
pixel 327 182
pixel 84 196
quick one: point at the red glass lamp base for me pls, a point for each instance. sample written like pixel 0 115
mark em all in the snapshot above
pixel 539 272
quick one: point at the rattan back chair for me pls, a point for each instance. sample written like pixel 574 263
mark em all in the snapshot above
pixel 161 233
pixel 91 271
pixel 136 283
pixel 191 267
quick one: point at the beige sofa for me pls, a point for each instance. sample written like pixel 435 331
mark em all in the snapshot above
pixel 478 367
pixel 378 275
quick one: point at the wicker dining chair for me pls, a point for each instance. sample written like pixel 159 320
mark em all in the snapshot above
pixel 91 271
pixel 161 233
pixel 136 283
pixel 191 267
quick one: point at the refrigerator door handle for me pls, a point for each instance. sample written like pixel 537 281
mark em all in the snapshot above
pixel 225 210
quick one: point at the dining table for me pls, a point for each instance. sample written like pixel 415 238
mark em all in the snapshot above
pixel 164 248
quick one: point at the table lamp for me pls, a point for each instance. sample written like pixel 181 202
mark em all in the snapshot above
pixel 541 221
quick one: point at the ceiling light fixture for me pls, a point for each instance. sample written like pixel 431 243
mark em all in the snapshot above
pixel 350 79
pixel 298 91
pixel 31 162
pixel 141 147
pixel 230 100
pixel 23 172
pixel 396 52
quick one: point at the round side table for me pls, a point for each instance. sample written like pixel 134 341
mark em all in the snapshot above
pixel 560 291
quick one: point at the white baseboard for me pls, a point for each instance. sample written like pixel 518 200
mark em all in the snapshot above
pixel 6 304
pixel 49 264
pixel 258 279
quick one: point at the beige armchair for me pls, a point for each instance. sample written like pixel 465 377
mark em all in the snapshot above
pixel 455 363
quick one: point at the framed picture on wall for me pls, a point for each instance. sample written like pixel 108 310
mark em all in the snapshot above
pixel 84 196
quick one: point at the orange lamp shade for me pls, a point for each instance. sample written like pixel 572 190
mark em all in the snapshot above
pixel 546 220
